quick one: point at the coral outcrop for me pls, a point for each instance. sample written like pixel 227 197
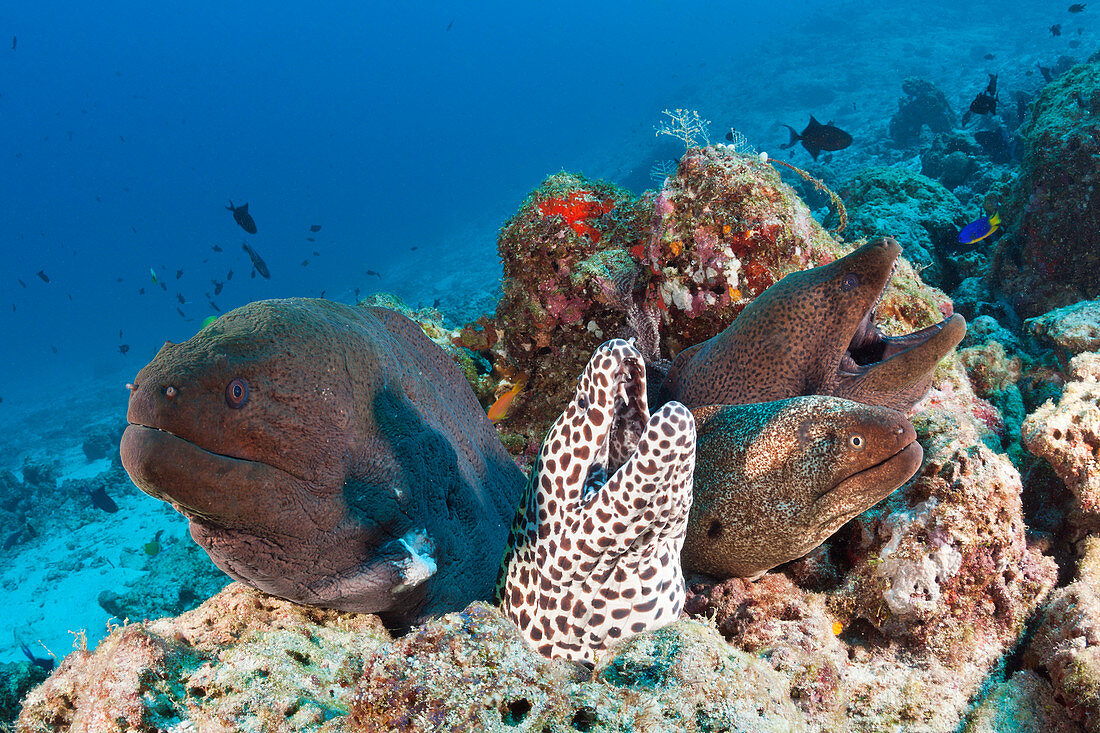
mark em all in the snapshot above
pixel 914 209
pixel 923 105
pixel 1052 257
pixel 1066 645
pixel 1069 330
pixel 1067 434
pixel 242 661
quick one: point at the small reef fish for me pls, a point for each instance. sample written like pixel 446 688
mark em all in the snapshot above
pixel 1075 8
pixel 123 349
pixel 20 282
pixel 979 229
pixel 181 299
pixel 43 276
pixel 153 548
pixel 818 137
pixel 216 248
pixel 182 314
pixel 1046 72
pixel 257 261
pixel 179 274
pixel 315 228
pixel 242 217
pixel 102 501
pixel 153 274
pixel 1056 29
pixel 218 287
pixel 45 663
pixel 229 275
pixel 304 263
pixel 499 409
pixel 310 239
pixel 372 272
pixel 985 103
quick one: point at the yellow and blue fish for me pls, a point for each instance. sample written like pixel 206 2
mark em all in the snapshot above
pixel 979 229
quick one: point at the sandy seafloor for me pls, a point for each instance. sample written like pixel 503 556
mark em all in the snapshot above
pixel 51 582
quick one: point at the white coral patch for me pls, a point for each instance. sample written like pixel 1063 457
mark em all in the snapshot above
pixel 914 583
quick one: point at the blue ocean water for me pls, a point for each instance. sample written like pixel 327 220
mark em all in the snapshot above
pixel 409 132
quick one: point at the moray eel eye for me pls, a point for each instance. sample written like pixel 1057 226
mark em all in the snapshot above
pixel 856 441
pixel 850 282
pixel 582 402
pixel 236 394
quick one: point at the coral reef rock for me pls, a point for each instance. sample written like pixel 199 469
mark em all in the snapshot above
pixel 1054 211
pixel 1066 434
pixel 1071 330
pixel 242 661
pixel 923 105
pixel 682 677
pixel 914 209
pixel 1066 645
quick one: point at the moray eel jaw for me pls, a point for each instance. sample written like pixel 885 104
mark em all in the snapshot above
pixel 773 480
pixel 201 484
pixel 894 371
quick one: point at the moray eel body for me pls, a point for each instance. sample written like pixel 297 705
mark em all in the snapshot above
pixel 774 480
pixel 813 332
pixel 594 553
pixel 329 455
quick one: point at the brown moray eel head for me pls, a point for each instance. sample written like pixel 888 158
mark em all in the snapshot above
pixel 813 332
pixel 326 454
pixel 774 480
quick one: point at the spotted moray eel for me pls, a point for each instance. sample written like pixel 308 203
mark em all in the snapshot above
pixel 594 552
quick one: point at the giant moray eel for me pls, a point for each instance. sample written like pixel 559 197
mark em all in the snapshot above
pixel 774 480
pixel 329 455
pixel 594 553
pixel 813 332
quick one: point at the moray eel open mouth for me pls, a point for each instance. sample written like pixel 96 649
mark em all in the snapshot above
pixel 623 399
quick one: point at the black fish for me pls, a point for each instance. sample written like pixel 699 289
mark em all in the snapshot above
pixel 45 663
pixel 372 272
pixel 120 333
pixel 450 24
pixel 53 348
pixel 216 248
pixel 163 287
pixel 179 274
pixel 1047 75
pixel 214 305
pixel 141 291
pixel 1075 8
pixel 43 276
pixel 182 314
pixel 817 137
pixel 229 275
pixel 242 217
pixel 218 287
pixel 315 228
pixel 310 239
pixel 102 501
pixel 21 282
pixel 316 253
pixel 181 299
pixel 985 103
pixel 257 261
pixel 123 349
pixel 304 263
pixel 1056 29
pixel 989 57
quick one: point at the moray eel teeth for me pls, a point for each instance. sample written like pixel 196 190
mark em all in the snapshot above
pixel 595 547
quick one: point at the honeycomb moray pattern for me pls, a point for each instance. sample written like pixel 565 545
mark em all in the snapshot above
pixel 594 552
